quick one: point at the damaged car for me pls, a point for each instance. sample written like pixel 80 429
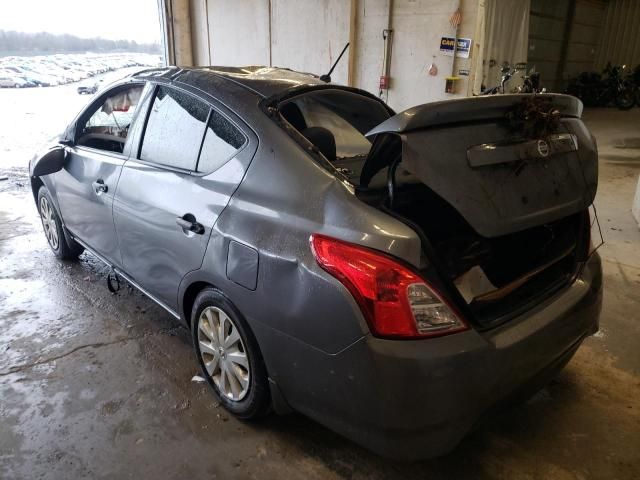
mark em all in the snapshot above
pixel 393 276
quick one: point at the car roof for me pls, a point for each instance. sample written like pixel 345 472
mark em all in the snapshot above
pixel 262 81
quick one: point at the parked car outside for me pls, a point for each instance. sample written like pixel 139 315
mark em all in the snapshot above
pixel 32 79
pixel 6 82
pixel 51 70
pixel 88 88
pixel 41 79
pixel 14 81
pixel 36 80
pixel 61 73
pixel 392 276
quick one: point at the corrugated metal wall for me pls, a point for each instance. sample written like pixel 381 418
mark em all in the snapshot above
pixel 547 32
pixel 585 33
pixel 564 38
pixel 620 42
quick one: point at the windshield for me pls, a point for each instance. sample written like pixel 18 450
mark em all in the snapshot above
pixel 335 121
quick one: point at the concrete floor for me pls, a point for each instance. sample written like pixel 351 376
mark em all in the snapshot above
pixel 99 386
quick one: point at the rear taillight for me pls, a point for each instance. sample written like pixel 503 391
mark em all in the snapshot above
pixel 395 301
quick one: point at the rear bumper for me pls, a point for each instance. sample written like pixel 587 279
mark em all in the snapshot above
pixel 417 399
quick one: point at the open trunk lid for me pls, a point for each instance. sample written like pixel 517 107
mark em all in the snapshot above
pixel 506 163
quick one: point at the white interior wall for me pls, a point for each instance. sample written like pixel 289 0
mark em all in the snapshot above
pixel 309 35
pixel 238 32
pixel 418 26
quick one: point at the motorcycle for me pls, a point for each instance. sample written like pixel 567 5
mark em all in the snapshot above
pixel 531 83
pixel 507 73
pixel 597 91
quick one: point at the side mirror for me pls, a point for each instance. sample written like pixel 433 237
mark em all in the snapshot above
pixel 51 162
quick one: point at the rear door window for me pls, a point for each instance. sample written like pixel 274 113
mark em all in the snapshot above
pixel 349 141
pixel 174 131
pixel 221 142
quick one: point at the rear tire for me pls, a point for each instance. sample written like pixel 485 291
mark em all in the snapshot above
pixel 59 240
pixel 229 356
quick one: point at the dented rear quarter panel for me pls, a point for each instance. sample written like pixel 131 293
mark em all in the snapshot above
pixel 284 198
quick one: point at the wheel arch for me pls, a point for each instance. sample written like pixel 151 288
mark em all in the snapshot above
pixel 36 183
pixel 189 298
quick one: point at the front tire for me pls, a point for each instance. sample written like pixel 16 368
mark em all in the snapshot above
pixel 229 356
pixel 54 231
pixel 625 99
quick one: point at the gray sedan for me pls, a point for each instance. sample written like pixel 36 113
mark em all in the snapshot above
pixel 393 276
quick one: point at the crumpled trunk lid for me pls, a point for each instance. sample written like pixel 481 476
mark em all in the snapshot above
pixel 506 163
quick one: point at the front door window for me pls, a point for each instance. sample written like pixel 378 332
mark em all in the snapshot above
pixel 107 128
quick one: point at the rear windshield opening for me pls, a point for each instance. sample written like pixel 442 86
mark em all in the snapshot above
pixel 335 122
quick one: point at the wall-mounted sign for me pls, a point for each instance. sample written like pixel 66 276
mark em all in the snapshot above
pixel 463 72
pixel 447 44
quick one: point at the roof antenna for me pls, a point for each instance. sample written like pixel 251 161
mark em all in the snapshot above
pixel 327 77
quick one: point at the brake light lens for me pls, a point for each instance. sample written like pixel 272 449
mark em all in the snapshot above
pixel 396 302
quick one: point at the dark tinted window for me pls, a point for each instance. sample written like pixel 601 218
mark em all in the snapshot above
pixel 174 129
pixel 221 142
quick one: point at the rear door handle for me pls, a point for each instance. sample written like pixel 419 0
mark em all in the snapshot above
pixel 188 223
pixel 100 187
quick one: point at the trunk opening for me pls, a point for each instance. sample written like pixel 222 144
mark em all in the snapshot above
pixel 498 278
pixel 498 190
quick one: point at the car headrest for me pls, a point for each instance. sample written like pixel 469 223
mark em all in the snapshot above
pixel 292 114
pixel 323 139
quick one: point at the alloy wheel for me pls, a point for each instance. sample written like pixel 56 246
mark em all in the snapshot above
pixel 47 216
pixel 223 353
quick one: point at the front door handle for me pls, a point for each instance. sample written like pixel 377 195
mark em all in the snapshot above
pixel 100 187
pixel 188 223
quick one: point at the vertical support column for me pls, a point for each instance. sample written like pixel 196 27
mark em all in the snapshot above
pixel 566 38
pixel 635 208
pixel 175 21
pixel 270 39
pixel 477 55
pixel 353 44
pixel 387 35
